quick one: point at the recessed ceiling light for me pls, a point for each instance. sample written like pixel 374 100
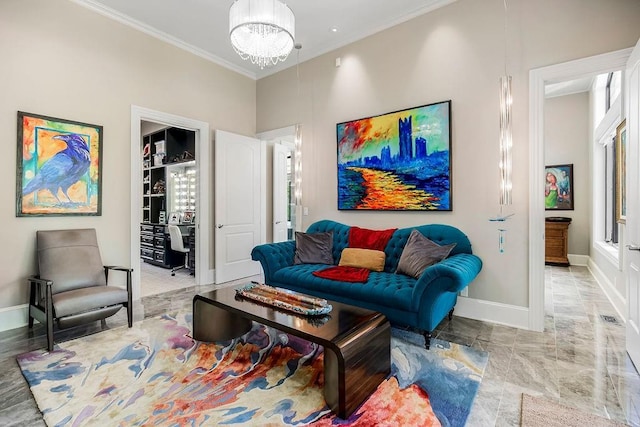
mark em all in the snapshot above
pixel 334 30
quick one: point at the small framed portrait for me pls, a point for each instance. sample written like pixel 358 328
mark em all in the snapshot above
pixel 174 217
pixel 558 187
pixel 188 217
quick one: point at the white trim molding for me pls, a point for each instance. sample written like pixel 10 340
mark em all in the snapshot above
pixel 538 78
pixel 618 300
pixel 578 260
pixel 14 317
pixel 495 312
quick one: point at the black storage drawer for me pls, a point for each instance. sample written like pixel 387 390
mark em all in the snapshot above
pixel 146 227
pixel 158 229
pixel 146 239
pixel 158 242
pixel 146 253
pixel 158 255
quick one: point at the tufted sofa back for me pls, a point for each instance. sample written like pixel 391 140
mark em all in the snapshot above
pixel 439 233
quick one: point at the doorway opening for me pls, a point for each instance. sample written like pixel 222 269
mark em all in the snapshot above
pixel 169 200
pixel 200 218
pixel 538 80
pixel 284 147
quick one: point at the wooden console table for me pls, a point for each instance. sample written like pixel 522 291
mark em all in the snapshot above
pixel 556 241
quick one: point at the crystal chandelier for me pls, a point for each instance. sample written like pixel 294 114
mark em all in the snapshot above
pixel 261 30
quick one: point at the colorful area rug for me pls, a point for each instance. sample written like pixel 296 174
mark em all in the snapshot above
pixel 156 374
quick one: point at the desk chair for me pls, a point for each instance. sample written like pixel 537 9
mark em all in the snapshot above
pixel 177 245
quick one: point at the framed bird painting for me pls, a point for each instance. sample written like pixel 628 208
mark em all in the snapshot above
pixel 59 167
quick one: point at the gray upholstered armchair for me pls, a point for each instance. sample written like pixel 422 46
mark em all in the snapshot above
pixel 73 285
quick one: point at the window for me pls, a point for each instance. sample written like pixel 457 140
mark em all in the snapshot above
pixel 607 110
pixel 613 88
pixel 610 226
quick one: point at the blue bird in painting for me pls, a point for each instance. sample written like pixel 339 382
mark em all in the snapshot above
pixel 62 170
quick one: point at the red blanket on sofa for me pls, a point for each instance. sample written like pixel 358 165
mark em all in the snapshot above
pixel 344 274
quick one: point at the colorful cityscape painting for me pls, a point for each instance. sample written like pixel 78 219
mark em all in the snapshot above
pixel 396 161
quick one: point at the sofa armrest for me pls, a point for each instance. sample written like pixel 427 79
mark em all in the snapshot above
pixel 274 256
pixel 461 269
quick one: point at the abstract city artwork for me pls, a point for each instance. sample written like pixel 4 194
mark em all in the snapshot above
pixel 558 187
pixel 396 161
pixel 59 167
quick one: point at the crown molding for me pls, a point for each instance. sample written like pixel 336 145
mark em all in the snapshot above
pixel 160 35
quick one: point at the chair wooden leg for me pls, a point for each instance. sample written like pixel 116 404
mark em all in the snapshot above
pixel 49 316
pixel 103 323
pixel 129 299
pixel 130 314
pixel 451 314
pixel 32 302
pixel 50 337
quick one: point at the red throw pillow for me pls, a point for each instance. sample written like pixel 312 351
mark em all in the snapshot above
pixel 369 239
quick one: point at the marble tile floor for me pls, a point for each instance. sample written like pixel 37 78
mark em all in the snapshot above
pixel 579 360
pixel 157 280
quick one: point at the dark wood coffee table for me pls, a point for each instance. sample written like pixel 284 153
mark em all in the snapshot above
pixel 356 341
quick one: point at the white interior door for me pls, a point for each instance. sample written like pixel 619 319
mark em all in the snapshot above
pixel 632 255
pixel 280 196
pixel 238 194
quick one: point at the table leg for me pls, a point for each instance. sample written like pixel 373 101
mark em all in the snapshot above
pixel 211 323
pixel 355 367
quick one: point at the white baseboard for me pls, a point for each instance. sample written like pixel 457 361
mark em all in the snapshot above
pixel 14 317
pixel 581 260
pixel 616 299
pixel 495 312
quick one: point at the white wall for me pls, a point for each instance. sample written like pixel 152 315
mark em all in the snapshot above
pixel 453 53
pixel 567 140
pixel 62 60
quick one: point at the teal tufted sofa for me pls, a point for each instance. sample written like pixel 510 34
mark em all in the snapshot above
pixel 421 303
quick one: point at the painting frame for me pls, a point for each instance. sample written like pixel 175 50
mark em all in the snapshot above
pixel 621 172
pixel 174 218
pixel 188 217
pixel 559 190
pixel 397 161
pixel 58 167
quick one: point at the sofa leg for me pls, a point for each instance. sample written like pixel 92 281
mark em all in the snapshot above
pixel 427 339
pixel 451 314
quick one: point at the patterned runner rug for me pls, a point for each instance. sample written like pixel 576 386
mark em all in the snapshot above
pixel 156 374
pixel 541 412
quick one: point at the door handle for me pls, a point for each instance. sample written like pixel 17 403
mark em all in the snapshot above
pixel 220 226
pixel 633 247
pixel 278 222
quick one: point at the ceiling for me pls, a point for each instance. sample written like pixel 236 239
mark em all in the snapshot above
pixel 202 26
pixel 553 90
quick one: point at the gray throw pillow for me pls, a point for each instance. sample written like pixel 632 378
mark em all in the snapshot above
pixel 314 248
pixel 420 253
